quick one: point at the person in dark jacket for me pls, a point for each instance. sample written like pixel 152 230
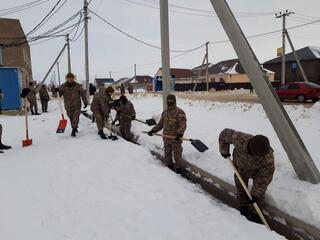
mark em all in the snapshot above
pixel 92 89
pixel 44 98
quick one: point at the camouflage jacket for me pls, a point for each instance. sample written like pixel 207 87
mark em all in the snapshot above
pixel 32 94
pixel 261 169
pixel 101 102
pixel 44 95
pixel 72 94
pixel 173 121
pixel 126 112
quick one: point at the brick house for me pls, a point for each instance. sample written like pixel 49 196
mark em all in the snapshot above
pixel 19 56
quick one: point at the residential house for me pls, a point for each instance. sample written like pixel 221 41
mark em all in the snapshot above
pixel 310 61
pixel 103 82
pixel 141 82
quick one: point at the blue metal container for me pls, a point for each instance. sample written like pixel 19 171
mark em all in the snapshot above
pixel 157 83
pixel 10 83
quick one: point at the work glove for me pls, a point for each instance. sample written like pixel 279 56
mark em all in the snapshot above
pixel 133 117
pixel 85 105
pixel 179 136
pixel 225 155
pixel 150 133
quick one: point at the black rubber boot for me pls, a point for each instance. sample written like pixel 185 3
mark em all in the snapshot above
pixel 178 171
pixel 37 113
pixel 4 147
pixel 102 135
pixel 32 113
pixel 73 133
pixel 77 130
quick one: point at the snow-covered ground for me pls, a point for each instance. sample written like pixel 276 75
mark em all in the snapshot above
pixel 86 188
pixel 206 119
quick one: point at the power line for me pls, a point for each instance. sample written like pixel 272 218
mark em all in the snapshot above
pixel 22 7
pixel 139 40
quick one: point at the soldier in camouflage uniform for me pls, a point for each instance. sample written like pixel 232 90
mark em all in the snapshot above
pixel 173 122
pixel 72 93
pixel 253 158
pixel 100 107
pixel 32 99
pixel 44 98
pixel 126 115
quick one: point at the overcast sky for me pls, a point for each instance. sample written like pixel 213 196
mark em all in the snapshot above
pixel 109 50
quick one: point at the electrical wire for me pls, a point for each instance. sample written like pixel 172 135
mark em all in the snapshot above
pixel 139 40
pixel 22 7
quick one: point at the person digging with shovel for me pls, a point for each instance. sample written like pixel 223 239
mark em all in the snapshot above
pixel 253 158
pixel 127 115
pixel 2 146
pixel 173 122
pixel 101 106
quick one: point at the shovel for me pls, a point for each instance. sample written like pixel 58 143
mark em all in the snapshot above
pixel 255 205
pixel 149 122
pixel 27 142
pixel 63 122
pixel 199 145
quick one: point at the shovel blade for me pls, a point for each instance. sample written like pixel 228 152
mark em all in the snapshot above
pixel 26 143
pixel 62 126
pixel 113 138
pixel 200 146
pixel 151 122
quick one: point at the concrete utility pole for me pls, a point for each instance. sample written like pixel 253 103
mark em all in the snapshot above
pixel 135 72
pixel 283 15
pixel 288 135
pixel 165 54
pixel 207 68
pixel 110 74
pixel 69 55
pixel 58 68
pixel 296 57
pixel 85 12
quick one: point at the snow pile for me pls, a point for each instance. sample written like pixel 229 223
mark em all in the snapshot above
pixel 206 119
pixel 86 188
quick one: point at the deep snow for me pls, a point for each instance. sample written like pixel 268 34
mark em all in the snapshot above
pixel 86 188
pixel 206 119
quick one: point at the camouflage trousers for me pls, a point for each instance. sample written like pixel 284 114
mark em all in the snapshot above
pixel 173 147
pixel 33 106
pixel 241 194
pixel 44 105
pixel 125 130
pixel 74 115
pixel 100 119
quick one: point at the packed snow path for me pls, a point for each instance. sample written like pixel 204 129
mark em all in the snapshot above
pixel 86 188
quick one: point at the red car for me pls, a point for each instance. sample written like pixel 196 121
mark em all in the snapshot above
pixel 300 91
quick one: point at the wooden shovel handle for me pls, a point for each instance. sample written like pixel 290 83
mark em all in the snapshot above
pixel 168 136
pixel 255 205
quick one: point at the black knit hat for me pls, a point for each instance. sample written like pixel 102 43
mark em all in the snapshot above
pixel 171 99
pixel 259 145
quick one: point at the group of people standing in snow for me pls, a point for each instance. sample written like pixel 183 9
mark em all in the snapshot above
pixel 252 155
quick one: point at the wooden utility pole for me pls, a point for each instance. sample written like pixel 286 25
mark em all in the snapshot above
pixel 58 68
pixel 85 12
pixel 283 15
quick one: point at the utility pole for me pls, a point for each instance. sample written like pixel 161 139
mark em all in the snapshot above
pixel 283 15
pixel 69 55
pixel 165 54
pixel 85 12
pixel 207 68
pixel 297 152
pixel 58 68
pixel 110 74
pixel 297 58
pixel 135 72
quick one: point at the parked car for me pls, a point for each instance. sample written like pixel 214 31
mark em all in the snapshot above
pixel 300 91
